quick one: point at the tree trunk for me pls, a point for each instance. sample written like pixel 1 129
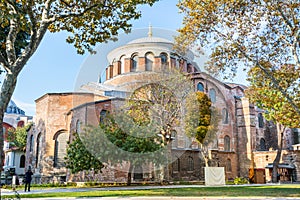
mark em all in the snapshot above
pixel 7 90
pixel 129 174
pixel 275 175
pixel 203 155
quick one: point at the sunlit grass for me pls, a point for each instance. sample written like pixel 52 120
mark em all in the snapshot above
pixel 292 190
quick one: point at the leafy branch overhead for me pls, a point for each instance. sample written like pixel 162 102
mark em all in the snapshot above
pixel 244 35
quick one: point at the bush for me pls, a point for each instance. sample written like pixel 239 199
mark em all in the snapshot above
pixel 240 181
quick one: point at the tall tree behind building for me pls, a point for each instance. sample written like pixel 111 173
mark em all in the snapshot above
pixel 274 103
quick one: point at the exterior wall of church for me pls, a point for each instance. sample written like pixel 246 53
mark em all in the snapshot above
pixel 51 121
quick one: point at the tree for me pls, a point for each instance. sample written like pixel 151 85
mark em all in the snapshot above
pixel 24 24
pixel 159 104
pixel 109 144
pixel 78 158
pixel 274 103
pixel 130 143
pixel 18 137
pixel 201 121
pixel 246 34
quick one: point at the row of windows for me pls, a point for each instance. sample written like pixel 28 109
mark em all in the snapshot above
pixel 213 98
pixel 190 164
pixel 59 148
pixel 149 60
pixel 212 92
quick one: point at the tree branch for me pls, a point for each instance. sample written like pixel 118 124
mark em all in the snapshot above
pixel 287 21
pixel 12 35
pixel 4 62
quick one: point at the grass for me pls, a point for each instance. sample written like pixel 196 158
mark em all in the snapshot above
pixel 291 190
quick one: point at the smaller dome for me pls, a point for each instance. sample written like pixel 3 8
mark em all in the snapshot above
pixel 150 40
pixel 12 108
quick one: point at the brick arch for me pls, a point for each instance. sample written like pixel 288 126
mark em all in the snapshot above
pixel 60 138
pixel 149 61
pixel 122 63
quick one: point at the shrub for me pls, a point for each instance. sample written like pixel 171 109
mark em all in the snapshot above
pixel 240 180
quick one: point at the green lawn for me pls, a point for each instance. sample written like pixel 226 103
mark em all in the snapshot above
pixel 291 190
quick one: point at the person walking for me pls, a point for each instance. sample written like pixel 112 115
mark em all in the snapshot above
pixel 28 177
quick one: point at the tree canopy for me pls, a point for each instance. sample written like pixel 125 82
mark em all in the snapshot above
pixel 18 137
pixel 198 117
pixel 246 34
pixel 78 158
pixel 263 93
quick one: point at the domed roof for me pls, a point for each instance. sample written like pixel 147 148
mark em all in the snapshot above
pixel 150 40
pixel 12 108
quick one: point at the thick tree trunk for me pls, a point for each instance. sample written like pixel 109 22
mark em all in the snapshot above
pixel 129 174
pixel 275 175
pixel 7 90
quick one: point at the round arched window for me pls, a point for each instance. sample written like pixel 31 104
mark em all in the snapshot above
pixel 212 95
pixel 200 87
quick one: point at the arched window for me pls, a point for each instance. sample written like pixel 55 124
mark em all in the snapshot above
pixel 228 165
pixel 122 60
pixel 61 139
pixel 7 160
pixel 188 142
pixel 149 61
pixel 262 144
pixel 22 161
pixel 103 115
pixel 134 62
pixel 176 165
pixel 20 124
pixel 212 95
pixel 226 143
pixel 200 87
pixel 174 138
pixel 38 150
pixel 296 136
pixel 225 116
pixel 31 143
pixel 190 163
pixel 138 173
pixel 164 60
pixel 78 126
pixel 260 120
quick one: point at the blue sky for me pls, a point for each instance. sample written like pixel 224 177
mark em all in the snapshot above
pixel 56 66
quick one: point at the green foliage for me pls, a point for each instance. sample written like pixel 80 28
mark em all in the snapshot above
pixel 18 137
pixel 79 158
pixel 267 97
pixel 128 142
pixel 198 117
pixel 240 181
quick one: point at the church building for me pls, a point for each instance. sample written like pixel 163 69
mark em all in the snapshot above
pixel 244 142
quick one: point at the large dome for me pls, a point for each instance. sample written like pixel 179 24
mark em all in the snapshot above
pixel 150 40
pixel 12 108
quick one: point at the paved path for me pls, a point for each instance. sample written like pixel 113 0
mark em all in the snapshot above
pixel 50 190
